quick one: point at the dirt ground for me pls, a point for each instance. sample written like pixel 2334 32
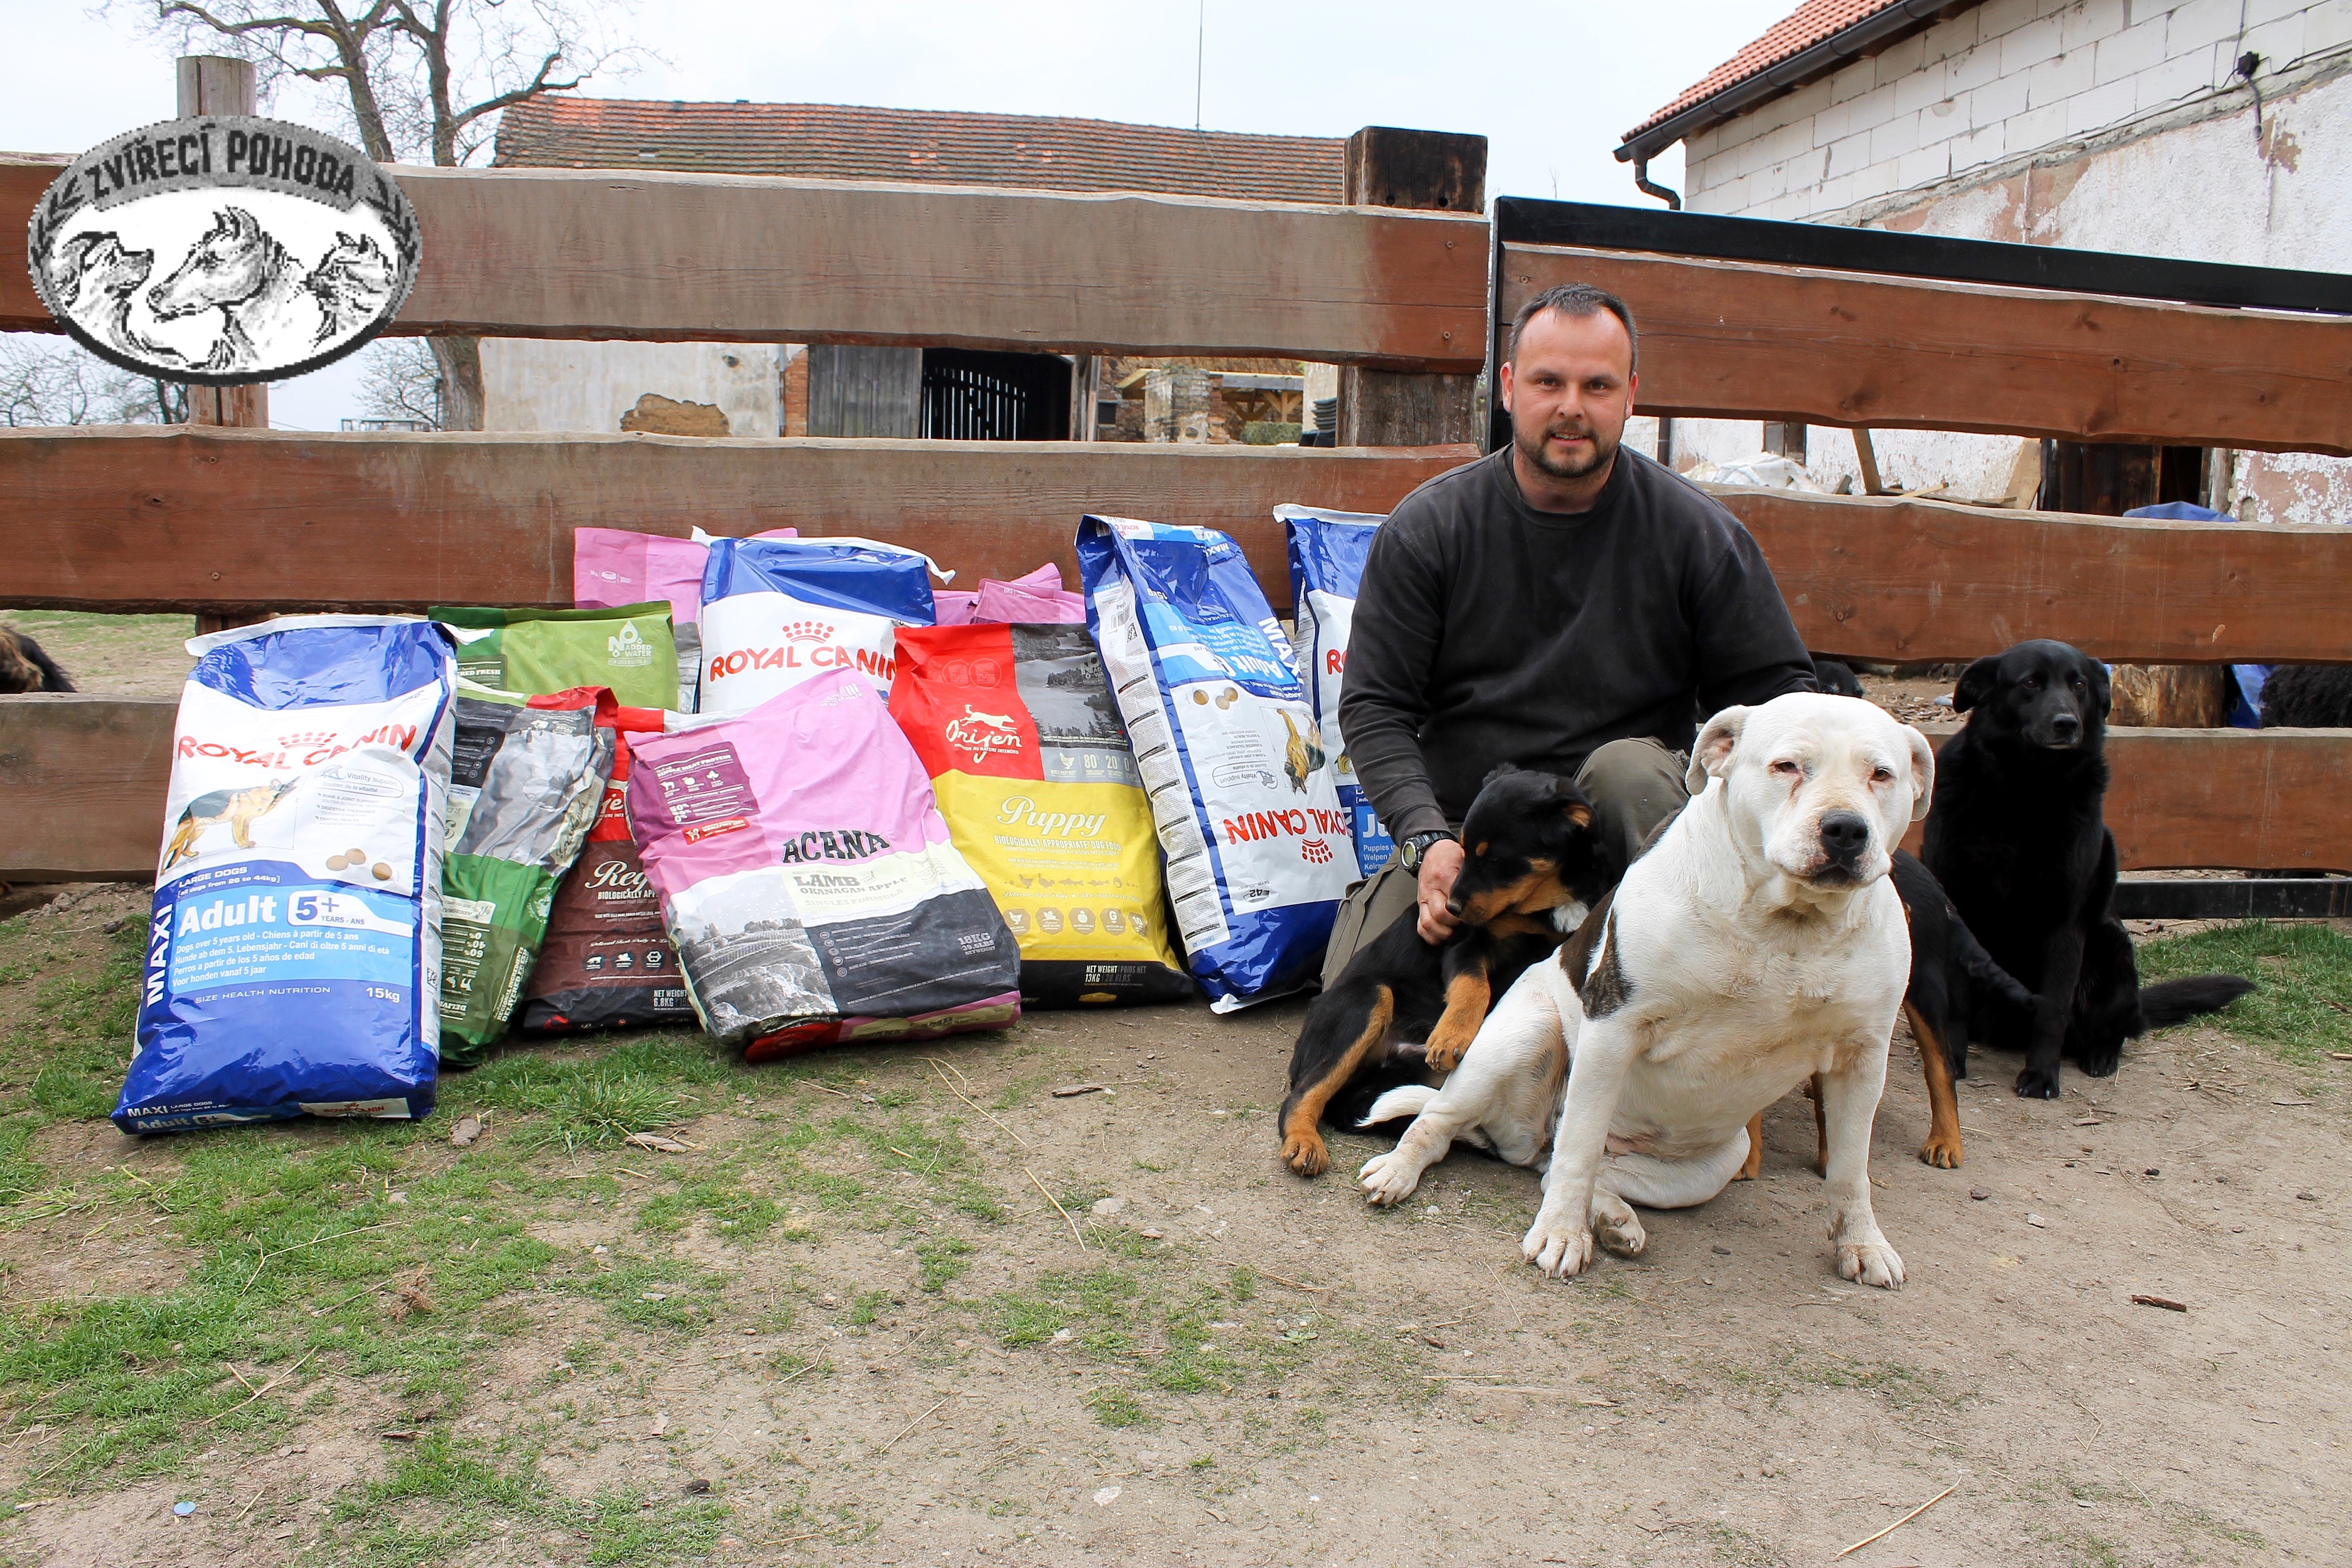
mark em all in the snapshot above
pixel 119 655
pixel 1213 1361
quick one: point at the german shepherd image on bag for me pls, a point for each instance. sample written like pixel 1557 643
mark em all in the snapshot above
pixel 237 807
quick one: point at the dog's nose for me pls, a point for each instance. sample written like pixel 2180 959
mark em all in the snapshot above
pixel 1453 908
pixel 2065 726
pixel 1845 834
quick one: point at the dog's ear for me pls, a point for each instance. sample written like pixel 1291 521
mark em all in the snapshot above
pixel 1711 756
pixel 1572 804
pixel 2102 687
pixel 1976 683
pixel 1500 770
pixel 1923 772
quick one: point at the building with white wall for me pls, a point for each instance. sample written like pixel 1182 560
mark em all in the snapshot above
pixel 2203 129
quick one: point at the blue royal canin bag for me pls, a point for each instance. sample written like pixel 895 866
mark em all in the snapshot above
pixel 777 612
pixel 1326 561
pixel 1257 843
pixel 294 956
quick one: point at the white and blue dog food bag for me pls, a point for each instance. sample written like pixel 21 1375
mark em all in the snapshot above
pixel 1258 846
pixel 1326 562
pixel 777 612
pixel 294 956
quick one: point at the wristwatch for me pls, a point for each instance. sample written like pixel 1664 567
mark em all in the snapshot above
pixel 1409 852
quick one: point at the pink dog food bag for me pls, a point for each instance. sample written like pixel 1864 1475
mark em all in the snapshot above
pixel 1036 599
pixel 612 567
pixel 808 880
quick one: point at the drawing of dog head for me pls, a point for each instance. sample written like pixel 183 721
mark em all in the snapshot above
pixel 351 283
pixel 98 272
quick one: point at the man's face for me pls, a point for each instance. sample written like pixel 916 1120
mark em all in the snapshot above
pixel 1569 389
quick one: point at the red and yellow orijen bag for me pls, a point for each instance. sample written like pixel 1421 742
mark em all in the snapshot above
pixel 1017 727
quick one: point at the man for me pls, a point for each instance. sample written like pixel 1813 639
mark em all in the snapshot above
pixel 1563 605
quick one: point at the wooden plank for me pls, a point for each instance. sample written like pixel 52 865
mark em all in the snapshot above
pixel 81 787
pixel 233 521
pixel 606 254
pixel 1743 341
pixel 2255 800
pixel 82 781
pixel 1907 580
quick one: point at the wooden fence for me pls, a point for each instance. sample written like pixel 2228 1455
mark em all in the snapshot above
pixel 237 522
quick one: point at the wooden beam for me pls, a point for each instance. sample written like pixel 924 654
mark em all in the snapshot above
pixel 1905 579
pixel 246 521
pixel 1427 170
pixel 660 257
pixel 1739 340
pixel 81 787
pixel 233 521
pixel 82 782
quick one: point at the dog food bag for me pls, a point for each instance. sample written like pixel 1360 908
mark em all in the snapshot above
pixel 806 877
pixel 1037 599
pixel 606 963
pixel 612 567
pixel 1017 727
pixel 1257 842
pixel 294 957
pixel 778 612
pixel 953 606
pixel 525 786
pixel 1327 561
pixel 627 649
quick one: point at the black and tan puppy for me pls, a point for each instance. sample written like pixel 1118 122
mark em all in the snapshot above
pixel 25 668
pixel 2017 841
pixel 1403 1009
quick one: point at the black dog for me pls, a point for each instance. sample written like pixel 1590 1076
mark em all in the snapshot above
pixel 1402 1008
pixel 1835 679
pixel 2017 840
pixel 25 668
pixel 2308 697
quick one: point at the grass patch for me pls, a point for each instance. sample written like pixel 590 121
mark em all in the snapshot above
pixel 2303 1007
pixel 943 1260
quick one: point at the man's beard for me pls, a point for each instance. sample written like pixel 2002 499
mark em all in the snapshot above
pixel 1537 454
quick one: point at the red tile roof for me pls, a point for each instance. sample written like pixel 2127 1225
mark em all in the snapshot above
pixel 837 141
pixel 1808 24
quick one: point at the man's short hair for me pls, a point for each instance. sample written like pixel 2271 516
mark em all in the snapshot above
pixel 1579 300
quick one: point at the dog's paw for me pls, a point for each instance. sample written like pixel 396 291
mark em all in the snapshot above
pixel 1618 1229
pixel 1304 1153
pixel 2101 1061
pixel 2032 1083
pixel 1942 1149
pixel 1559 1246
pixel 1869 1263
pixel 1442 1056
pixel 1389 1179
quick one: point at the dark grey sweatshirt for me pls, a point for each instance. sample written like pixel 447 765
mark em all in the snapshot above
pixel 1488 632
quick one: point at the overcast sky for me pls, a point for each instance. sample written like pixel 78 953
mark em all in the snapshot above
pixel 1553 86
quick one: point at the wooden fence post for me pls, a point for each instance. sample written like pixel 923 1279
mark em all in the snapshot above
pixel 214 84
pixel 1430 171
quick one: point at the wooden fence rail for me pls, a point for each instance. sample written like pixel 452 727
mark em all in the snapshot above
pixel 591 253
pixel 229 522
pixel 1736 339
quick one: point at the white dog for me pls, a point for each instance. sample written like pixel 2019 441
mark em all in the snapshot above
pixel 1757 942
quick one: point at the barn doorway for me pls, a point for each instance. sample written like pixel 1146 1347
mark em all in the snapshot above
pixel 973 395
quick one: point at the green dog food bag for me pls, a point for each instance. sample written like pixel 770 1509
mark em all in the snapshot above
pixel 628 651
pixel 526 782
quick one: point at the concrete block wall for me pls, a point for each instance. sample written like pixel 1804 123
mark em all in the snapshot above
pixel 1999 80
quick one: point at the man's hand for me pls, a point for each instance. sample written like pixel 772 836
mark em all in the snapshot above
pixel 1440 864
